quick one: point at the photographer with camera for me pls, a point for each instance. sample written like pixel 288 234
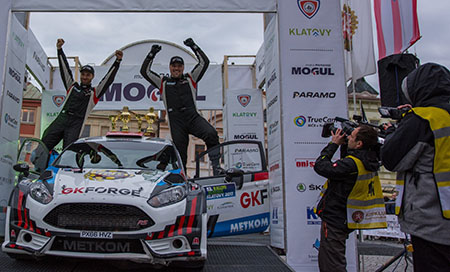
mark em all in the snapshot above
pixel 351 197
pixel 419 151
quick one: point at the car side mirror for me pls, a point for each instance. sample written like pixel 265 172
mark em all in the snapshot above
pixel 22 168
pixel 47 174
pixel 235 175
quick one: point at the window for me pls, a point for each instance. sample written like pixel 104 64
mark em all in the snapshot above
pixel 199 149
pixel 28 116
pixel 86 131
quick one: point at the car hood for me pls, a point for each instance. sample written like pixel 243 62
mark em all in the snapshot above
pixel 104 185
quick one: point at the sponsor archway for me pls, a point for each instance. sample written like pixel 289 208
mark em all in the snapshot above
pixel 303 35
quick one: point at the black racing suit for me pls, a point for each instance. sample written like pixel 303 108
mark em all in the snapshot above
pixel 179 95
pixel 332 208
pixel 79 102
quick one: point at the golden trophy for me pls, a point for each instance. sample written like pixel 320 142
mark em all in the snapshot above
pixel 113 119
pixel 125 117
pixel 150 117
pixel 139 118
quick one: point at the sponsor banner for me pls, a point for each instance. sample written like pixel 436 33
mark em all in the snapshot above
pixel 52 102
pixel 255 223
pixel 260 66
pixel 4 18
pixel 220 198
pixel 14 82
pixel 244 121
pixel 275 160
pixel 312 92
pixel 131 89
pixel 37 60
pixel 392 230
pixel 8 155
pixel 139 6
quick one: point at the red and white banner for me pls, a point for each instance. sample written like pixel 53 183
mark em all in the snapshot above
pixel 397 25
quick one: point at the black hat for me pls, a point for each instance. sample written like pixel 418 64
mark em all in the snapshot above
pixel 176 59
pixel 87 68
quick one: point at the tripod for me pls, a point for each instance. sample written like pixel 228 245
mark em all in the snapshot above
pixel 404 253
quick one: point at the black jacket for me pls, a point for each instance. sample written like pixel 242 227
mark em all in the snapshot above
pixel 341 175
pixel 428 85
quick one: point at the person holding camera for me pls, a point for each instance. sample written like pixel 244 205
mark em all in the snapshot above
pixel 81 98
pixel 351 198
pixel 419 151
pixel 178 92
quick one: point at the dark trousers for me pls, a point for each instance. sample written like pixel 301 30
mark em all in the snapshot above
pixel 190 122
pixel 429 256
pixel 332 248
pixel 65 127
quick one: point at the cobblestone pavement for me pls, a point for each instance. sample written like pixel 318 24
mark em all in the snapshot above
pixel 372 263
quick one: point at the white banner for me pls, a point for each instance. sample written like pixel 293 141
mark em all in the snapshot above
pixel 245 121
pixel 145 5
pixel 4 18
pixel 392 230
pixel 8 156
pixel 259 63
pixel 132 90
pixel 37 60
pixel 14 82
pixel 10 110
pixel 312 92
pixel 275 160
pixel 52 102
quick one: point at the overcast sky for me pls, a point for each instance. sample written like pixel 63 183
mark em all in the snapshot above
pixel 94 36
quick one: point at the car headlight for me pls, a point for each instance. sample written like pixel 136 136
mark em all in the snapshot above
pixel 168 197
pixel 40 193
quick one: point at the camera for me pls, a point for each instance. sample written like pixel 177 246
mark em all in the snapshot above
pixel 392 113
pixel 347 127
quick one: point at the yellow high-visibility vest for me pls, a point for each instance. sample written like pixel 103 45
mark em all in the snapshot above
pixel 365 203
pixel 439 120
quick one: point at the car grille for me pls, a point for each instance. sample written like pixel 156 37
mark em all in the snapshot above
pixel 99 217
pixel 97 245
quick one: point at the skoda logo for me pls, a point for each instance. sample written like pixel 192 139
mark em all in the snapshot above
pixel 300 121
pixel 301 187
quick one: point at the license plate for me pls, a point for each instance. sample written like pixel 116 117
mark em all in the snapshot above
pixel 96 234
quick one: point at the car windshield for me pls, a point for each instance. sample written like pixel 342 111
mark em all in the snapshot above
pixel 119 155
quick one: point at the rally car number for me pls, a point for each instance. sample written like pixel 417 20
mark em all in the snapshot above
pixel 96 234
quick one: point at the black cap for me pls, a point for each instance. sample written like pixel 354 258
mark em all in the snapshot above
pixel 87 68
pixel 176 59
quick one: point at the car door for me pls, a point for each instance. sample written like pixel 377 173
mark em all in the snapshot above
pixel 35 154
pixel 236 199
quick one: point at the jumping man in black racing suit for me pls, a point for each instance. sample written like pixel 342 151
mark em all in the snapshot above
pixel 80 100
pixel 178 93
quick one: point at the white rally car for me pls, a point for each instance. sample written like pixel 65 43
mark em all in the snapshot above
pixel 127 198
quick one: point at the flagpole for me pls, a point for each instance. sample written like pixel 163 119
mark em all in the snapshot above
pixel 351 60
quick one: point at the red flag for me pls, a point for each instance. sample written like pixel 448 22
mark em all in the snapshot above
pixel 397 25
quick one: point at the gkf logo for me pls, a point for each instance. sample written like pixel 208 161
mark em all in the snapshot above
pixel 309 8
pixel 244 99
pixel 253 199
